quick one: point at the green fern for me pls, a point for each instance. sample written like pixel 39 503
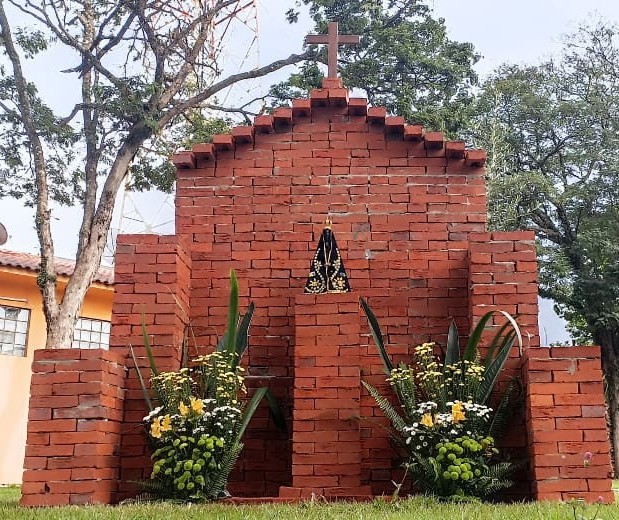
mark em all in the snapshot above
pixel 495 479
pixel 220 479
pixel 387 408
pixel 154 489
pixel 511 397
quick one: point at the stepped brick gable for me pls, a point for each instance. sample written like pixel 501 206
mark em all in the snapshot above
pixel 409 211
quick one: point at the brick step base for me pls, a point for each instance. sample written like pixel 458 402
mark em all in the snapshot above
pixel 249 501
pixel 357 493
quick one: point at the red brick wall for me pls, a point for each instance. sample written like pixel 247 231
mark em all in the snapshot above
pixel 409 215
pixel 74 425
pixel 566 417
pixel 403 209
pixel 151 288
pixel 326 439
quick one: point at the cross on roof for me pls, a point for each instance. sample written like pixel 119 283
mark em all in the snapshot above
pixel 333 39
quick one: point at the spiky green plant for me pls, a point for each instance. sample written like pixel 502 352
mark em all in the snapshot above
pixel 445 424
pixel 197 427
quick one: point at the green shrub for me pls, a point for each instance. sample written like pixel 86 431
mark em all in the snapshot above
pixel 196 429
pixel 446 425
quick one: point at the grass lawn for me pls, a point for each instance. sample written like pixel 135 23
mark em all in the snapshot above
pixel 410 509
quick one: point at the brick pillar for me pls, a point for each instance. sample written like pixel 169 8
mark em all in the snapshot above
pixel 503 276
pixel 565 419
pixel 326 442
pixel 152 285
pixel 74 423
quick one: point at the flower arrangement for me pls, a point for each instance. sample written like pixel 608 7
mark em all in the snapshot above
pixel 446 426
pixel 196 429
pixel 195 432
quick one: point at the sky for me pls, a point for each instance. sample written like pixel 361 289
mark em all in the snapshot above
pixel 526 31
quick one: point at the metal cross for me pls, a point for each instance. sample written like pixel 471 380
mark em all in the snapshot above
pixel 333 39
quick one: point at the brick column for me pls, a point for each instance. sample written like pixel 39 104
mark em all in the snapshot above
pixel 326 443
pixel 565 419
pixel 152 285
pixel 74 423
pixel 503 276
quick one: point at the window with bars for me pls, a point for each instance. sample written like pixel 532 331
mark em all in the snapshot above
pixel 13 330
pixel 91 334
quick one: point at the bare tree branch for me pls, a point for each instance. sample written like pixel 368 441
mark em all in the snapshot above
pixel 230 80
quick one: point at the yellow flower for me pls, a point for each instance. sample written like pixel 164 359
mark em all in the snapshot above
pixel 426 420
pixel 196 405
pixel 166 424
pixel 183 408
pixel 456 412
pixel 155 428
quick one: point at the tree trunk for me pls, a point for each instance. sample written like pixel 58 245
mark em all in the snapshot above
pixel 60 330
pixel 609 343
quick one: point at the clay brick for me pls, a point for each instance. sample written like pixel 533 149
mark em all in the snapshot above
pixel 357 106
pixel 377 115
pixel 582 399
pixel 553 388
pixel 475 158
pixel 55 499
pixel 589 423
pixel 301 107
pixel 57 425
pixel 558 435
pixel 184 160
pixel 594 411
pixel 596 435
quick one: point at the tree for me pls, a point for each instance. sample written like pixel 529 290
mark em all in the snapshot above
pixel 141 67
pixel 405 61
pixel 552 132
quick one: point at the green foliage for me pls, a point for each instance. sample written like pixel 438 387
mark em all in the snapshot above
pixel 387 408
pixel 552 132
pixel 197 427
pixel 16 168
pixel 32 42
pixel 155 169
pixel 448 428
pixel 405 61
pixel 377 335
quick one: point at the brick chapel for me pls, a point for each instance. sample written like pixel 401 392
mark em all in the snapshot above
pixel 408 209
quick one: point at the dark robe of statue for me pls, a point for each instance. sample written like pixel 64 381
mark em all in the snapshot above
pixel 327 273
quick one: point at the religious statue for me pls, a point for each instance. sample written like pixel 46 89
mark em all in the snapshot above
pixel 327 273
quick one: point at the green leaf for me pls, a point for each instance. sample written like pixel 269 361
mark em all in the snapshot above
pixel 387 408
pixel 377 335
pixel 141 379
pixel 497 338
pixel 149 351
pixel 249 411
pixel 276 411
pixel 453 345
pixel 242 335
pixel 470 352
pixel 472 346
pixel 233 314
pixel 492 372
pixel 505 409
pixel 220 479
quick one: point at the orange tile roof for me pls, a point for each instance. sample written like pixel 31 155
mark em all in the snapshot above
pixel 104 275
